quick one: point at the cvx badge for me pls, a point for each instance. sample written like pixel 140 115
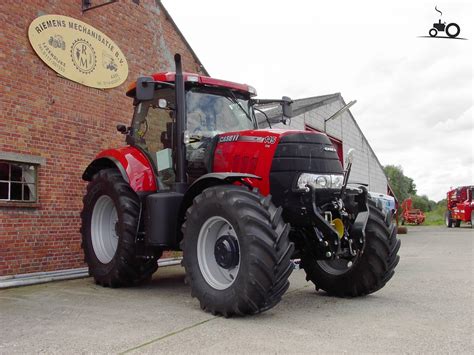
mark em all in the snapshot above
pixel 269 140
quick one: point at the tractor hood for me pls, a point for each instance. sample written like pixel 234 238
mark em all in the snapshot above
pixel 278 156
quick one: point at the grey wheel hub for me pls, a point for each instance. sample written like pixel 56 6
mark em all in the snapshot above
pixel 103 229
pixel 218 253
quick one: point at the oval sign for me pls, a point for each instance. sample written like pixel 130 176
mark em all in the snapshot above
pixel 78 51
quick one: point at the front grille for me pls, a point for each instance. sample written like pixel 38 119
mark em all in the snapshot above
pixel 305 152
pixel 298 153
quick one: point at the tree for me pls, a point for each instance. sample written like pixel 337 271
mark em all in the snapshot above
pixel 423 203
pixel 402 186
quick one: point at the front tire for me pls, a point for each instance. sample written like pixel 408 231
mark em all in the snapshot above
pixel 371 269
pixel 236 251
pixel 110 220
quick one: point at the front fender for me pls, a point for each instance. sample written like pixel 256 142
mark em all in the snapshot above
pixel 134 166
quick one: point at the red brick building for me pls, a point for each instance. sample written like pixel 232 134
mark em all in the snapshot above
pixel 51 127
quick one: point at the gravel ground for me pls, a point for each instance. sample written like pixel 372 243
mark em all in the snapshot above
pixel 426 307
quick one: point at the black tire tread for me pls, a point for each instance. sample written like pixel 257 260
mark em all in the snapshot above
pixel 375 267
pixel 269 250
pixel 127 269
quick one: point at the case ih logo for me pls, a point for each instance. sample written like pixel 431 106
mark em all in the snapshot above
pixel 253 139
pixel 227 139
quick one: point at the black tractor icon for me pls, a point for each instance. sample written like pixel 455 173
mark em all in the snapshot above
pixel 452 29
pixel 57 41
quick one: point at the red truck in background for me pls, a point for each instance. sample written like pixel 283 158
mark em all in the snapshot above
pixel 460 206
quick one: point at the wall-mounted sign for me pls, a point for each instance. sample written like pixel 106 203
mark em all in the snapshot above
pixel 78 51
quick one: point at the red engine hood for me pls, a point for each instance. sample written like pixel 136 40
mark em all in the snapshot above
pixel 250 152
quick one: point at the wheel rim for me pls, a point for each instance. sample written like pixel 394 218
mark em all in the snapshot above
pixel 446 220
pixel 103 229
pixel 215 233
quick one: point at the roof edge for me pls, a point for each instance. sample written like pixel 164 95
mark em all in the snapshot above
pixel 301 110
pixel 327 100
pixel 170 19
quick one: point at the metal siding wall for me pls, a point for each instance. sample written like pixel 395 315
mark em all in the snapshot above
pixel 365 168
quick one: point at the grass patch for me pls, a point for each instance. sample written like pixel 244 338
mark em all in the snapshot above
pixel 435 217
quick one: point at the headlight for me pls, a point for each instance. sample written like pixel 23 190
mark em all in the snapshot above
pixel 317 181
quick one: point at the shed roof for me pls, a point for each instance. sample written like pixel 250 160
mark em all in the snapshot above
pixel 300 106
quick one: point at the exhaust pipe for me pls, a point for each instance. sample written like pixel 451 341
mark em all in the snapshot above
pixel 181 178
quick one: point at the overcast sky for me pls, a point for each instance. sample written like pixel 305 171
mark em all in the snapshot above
pixel 414 95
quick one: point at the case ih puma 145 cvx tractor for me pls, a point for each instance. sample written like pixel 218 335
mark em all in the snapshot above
pixel 239 201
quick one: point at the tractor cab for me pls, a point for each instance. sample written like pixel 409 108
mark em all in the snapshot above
pixel 212 106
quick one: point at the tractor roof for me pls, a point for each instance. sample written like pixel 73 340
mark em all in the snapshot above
pixel 196 78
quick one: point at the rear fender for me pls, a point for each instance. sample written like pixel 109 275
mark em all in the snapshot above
pixel 134 166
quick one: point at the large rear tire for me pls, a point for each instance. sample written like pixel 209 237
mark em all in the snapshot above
pixel 236 251
pixel 371 269
pixel 110 220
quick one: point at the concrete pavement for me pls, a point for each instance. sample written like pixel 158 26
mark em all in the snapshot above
pixel 426 307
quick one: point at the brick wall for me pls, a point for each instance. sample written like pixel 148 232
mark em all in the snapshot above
pixel 66 123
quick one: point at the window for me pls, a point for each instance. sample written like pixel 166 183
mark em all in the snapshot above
pixel 210 112
pixel 17 182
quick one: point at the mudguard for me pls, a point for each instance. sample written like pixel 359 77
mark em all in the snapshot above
pixel 134 166
pixel 213 179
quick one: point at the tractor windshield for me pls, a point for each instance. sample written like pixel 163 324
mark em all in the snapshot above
pixel 210 112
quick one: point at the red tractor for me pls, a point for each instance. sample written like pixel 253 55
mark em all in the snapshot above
pixel 460 206
pixel 411 215
pixel 198 175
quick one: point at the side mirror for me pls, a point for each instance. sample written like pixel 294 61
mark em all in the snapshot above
pixel 122 128
pixel 145 88
pixel 286 106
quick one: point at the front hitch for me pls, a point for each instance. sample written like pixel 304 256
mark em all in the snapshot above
pixel 330 238
pixel 326 240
